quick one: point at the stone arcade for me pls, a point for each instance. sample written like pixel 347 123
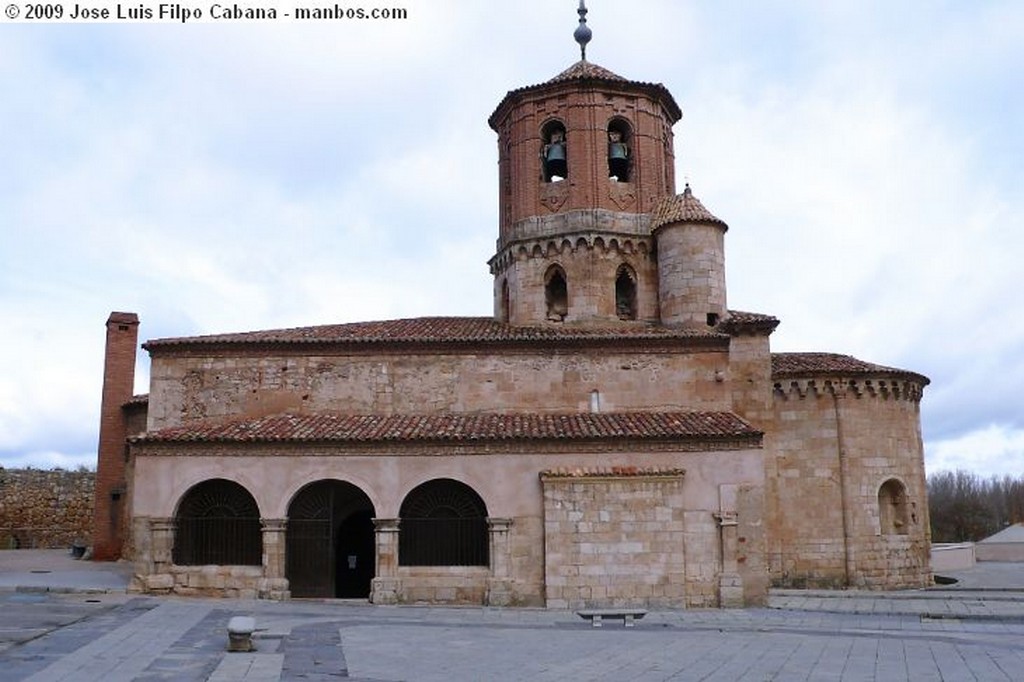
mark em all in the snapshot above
pixel 614 435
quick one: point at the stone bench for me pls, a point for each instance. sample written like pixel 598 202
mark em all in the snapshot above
pixel 240 629
pixel 597 616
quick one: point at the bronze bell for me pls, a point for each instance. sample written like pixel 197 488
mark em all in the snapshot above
pixel 554 160
pixel 618 160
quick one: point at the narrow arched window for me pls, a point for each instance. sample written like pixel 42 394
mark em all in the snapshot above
pixel 620 140
pixel 504 311
pixel 443 523
pixel 625 293
pixel 218 522
pixel 554 152
pixel 893 515
pixel 556 294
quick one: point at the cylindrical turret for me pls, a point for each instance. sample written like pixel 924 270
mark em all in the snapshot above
pixel 691 262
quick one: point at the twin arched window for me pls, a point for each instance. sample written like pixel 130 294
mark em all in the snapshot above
pixel 554 152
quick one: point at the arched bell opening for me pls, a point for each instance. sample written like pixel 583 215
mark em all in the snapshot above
pixel 625 293
pixel 620 140
pixel 556 294
pixel 330 544
pixel 554 153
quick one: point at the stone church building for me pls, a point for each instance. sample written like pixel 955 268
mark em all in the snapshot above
pixel 614 434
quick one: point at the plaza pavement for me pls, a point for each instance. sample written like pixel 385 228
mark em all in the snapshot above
pixel 67 620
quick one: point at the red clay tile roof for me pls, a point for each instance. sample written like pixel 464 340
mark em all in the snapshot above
pixel 462 428
pixel 583 70
pixel 683 208
pixel 435 330
pixel 587 72
pixel 739 321
pixel 794 365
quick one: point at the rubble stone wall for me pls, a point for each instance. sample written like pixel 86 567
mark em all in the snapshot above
pixel 45 509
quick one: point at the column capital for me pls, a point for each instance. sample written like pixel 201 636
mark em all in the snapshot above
pixel 386 525
pixel 274 525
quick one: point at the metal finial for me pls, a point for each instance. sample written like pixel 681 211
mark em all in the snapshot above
pixel 583 34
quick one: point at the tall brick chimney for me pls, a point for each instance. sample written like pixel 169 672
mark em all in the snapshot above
pixel 118 386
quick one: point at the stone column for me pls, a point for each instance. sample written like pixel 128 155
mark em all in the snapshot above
pixel 386 586
pixel 499 583
pixel 274 584
pixel 730 583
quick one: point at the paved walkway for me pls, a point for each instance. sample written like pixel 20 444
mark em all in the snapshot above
pixel 971 632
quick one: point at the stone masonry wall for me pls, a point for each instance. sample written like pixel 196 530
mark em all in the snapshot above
pixel 832 447
pixel 185 388
pixel 45 508
pixel 614 541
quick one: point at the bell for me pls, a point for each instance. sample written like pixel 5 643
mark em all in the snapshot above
pixel 618 160
pixel 554 160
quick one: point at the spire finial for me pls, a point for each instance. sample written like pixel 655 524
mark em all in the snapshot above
pixel 583 34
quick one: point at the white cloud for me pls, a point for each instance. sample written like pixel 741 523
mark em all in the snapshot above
pixel 224 178
pixel 994 450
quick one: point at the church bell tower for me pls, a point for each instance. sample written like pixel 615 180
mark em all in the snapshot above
pixel 584 159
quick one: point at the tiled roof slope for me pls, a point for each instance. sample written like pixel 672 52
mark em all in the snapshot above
pixel 794 365
pixel 588 71
pixel 583 70
pixel 683 208
pixel 462 428
pixel 434 330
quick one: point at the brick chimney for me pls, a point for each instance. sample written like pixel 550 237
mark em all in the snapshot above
pixel 118 386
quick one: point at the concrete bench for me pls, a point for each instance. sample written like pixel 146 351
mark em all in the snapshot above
pixel 240 629
pixel 597 616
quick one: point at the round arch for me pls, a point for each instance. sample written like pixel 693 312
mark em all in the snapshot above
pixel 443 522
pixel 217 521
pixel 330 548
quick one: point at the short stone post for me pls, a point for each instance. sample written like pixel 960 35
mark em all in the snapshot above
pixel 386 585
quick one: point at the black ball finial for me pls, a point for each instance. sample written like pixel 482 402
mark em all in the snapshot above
pixel 583 34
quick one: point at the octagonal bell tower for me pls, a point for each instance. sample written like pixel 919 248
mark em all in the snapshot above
pixel 583 160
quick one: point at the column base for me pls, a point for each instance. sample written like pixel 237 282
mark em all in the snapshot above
pixel 500 592
pixel 385 590
pixel 730 591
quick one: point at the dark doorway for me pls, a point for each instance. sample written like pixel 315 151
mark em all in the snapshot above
pixel 330 544
pixel 355 555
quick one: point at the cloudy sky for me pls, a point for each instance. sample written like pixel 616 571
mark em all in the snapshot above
pixel 867 155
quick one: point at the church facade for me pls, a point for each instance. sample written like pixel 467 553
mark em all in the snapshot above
pixel 614 434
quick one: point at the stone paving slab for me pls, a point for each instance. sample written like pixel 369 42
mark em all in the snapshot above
pixel 971 632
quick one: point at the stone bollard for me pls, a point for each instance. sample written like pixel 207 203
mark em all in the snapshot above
pixel 240 629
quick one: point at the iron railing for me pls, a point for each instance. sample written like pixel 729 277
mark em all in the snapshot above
pixel 443 542
pixel 223 541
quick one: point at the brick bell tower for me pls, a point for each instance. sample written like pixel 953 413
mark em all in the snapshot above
pixel 583 160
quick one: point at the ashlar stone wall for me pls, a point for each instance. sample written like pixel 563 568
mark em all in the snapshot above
pixel 614 540
pixel 833 445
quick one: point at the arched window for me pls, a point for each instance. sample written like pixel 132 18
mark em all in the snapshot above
pixel 218 522
pixel 620 139
pixel 554 153
pixel 505 312
pixel 443 523
pixel 893 516
pixel 556 294
pixel 625 293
